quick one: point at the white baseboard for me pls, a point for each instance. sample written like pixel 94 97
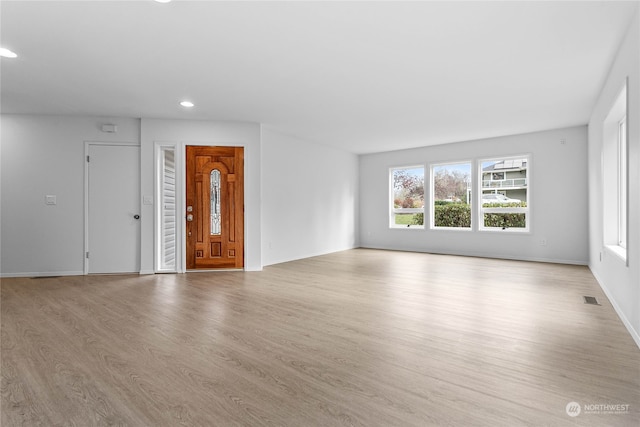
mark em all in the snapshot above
pixel 616 307
pixel 43 274
pixel 482 255
pixel 308 255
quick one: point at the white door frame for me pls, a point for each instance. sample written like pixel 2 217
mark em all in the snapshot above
pixel 87 145
pixel 181 198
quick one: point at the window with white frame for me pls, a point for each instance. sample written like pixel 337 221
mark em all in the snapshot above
pixel 504 193
pixel 407 197
pixel 615 176
pixel 451 196
pixel 622 183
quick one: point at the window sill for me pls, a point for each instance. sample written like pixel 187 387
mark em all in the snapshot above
pixel 618 251
pixel 451 229
pixel 511 230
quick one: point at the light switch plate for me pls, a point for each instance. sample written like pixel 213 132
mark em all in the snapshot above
pixel 50 200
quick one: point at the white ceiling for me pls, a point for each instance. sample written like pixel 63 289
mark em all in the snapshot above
pixel 364 76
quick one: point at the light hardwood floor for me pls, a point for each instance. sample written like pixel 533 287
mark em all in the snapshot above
pixel 362 337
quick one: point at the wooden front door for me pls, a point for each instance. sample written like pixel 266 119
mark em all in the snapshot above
pixel 215 207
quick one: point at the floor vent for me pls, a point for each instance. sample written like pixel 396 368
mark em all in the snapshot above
pixel 44 277
pixel 591 300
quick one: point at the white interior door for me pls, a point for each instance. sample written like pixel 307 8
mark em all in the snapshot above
pixel 113 211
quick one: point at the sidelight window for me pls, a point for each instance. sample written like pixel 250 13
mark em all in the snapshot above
pixel 167 230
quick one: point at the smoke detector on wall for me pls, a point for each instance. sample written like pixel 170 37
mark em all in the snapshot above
pixel 109 128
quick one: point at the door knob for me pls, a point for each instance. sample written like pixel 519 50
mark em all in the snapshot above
pixel 136 216
pixel 189 217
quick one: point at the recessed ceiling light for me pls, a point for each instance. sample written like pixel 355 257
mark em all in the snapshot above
pixel 162 1
pixel 187 104
pixel 6 53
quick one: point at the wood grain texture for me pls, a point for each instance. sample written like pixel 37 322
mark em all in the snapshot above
pixel 362 337
pixel 206 249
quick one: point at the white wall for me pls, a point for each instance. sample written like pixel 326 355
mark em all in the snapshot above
pixel 558 199
pixel 316 185
pixel 194 132
pixel 309 198
pixel 621 283
pixel 44 155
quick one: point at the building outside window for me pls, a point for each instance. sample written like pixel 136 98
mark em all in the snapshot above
pixel 504 190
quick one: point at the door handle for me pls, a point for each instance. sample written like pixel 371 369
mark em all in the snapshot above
pixel 189 217
pixel 136 216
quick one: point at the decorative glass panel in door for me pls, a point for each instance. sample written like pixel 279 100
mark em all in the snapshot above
pixel 215 203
